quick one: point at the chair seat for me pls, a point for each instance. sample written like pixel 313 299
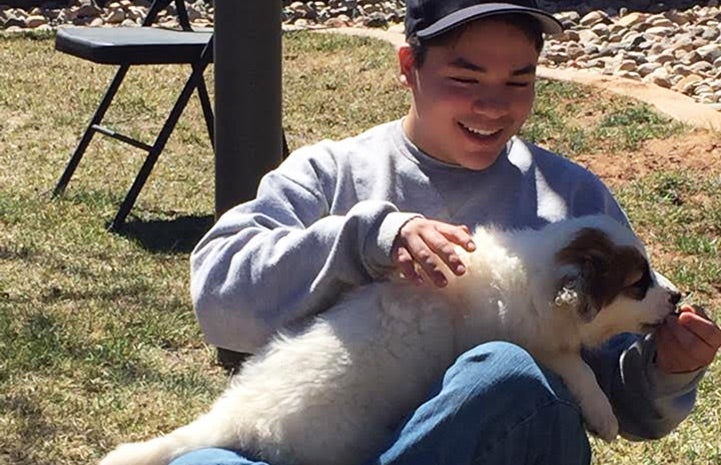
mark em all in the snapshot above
pixel 132 45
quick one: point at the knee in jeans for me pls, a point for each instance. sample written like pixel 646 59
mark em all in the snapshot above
pixel 509 370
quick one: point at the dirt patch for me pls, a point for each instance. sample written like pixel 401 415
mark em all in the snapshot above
pixel 696 151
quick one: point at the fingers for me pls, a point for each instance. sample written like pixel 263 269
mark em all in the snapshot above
pixel 406 265
pixel 680 348
pixel 430 246
pixel 696 322
pixel 458 234
pixel 422 249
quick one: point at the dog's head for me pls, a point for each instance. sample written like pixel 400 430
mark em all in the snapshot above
pixel 606 279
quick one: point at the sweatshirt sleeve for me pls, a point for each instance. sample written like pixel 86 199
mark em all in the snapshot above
pixel 649 403
pixel 269 263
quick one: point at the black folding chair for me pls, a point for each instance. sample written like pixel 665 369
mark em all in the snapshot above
pixel 128 46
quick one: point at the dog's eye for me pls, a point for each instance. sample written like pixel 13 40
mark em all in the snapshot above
pixel 637 290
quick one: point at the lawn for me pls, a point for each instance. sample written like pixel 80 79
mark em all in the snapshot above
pixel 97 334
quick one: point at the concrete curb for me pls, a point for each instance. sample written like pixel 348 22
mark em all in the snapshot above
pixel 666 101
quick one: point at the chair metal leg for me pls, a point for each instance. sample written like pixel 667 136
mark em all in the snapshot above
pixel 207 110
pixel 199 69
pixel 132 195
pixel 90 131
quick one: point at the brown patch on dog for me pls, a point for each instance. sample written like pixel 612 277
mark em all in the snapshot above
pixel 606 270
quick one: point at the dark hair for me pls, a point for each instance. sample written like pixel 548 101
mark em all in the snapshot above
pixel 525 23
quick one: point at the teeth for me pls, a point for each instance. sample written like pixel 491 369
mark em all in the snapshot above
pixel 479 131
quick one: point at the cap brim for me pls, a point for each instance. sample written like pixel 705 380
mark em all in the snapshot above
pixel 549 24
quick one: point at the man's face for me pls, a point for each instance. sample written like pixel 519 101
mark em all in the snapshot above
pixel 471 95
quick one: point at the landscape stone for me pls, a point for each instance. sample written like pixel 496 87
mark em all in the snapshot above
pixel 674 44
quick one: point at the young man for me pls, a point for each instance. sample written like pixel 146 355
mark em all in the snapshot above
pixel 340 214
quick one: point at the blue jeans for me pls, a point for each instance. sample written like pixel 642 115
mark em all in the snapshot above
pixel 494 406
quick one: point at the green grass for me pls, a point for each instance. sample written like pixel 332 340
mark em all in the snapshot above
pixel 97 335
pixel 565 120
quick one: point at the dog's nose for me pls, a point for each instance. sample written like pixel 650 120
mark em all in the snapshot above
pixel 675 297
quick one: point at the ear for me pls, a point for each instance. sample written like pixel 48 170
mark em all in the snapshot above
pixel 573 292
pixel 408 66
pixel 589 253
pixel 567 291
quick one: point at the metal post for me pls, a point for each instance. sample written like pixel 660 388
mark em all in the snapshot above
pixel 248 134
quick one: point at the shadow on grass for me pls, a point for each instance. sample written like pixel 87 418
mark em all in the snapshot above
pixel 178 235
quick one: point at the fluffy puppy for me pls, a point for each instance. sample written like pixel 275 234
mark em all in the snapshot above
pixel 331 393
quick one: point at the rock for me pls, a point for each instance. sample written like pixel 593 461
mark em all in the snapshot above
pixel 594 63
pixel 568 35
pixel 661 81
pixel 663 58
pixel 691 57
pixel 610 50
pixel 676 17
pixel 647 68
pixel 660 31
pixel 135 13
pixel 688 84
pixel 710 33
pixel 705 97
pixel 556 55
pixel 601 30
pixel 574 51
pixel 377 19
pixel 115 16
pixel 593 18
pixel 336 22
pixel 586 36
pixel 625 65
pixel 87 10
pixel 633 39
pixel 35 21
pixel 681 70
pixel 632 19
pixel 660 21
pixel 571 16
pixel 629 75
pixel 14 22
pixel 710 52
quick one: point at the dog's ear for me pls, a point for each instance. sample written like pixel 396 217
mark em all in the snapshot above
pixel 573 291
pixel 588 258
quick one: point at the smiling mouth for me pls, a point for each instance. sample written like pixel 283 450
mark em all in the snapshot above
pixel 480 133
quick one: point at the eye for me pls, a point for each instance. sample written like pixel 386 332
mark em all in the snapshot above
pixel 637 289
pixel 519 84
pixel 463 80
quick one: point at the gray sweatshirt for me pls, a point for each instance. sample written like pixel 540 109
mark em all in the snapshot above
pixel 325 220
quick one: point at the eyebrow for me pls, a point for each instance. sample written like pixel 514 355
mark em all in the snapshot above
pixel 461 62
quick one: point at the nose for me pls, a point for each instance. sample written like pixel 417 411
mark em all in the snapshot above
pixel 675 297
pixel 491 104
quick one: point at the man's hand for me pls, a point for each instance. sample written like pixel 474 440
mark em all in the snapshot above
pixel 430 245
pixel 687 342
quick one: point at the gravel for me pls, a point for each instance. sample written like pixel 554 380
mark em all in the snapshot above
pixel 674 44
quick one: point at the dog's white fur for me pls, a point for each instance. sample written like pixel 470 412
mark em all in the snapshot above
pixel 333 392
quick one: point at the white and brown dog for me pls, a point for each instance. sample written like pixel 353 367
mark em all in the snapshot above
pixel 330 394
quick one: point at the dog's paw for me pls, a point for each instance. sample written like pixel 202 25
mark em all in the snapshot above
pixel 600 419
